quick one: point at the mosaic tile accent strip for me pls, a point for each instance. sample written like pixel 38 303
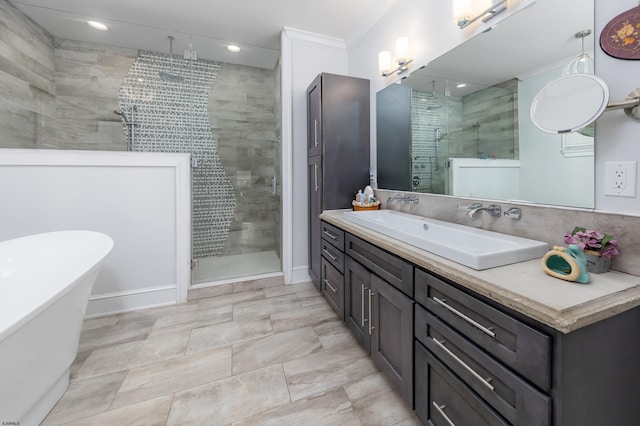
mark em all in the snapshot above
pixel 169 99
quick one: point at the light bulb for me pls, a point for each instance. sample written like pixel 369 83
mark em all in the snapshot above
pixel 462 11
pixel 384 62
pixel 402 50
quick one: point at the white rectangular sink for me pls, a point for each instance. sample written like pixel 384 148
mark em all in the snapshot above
pixel 476 248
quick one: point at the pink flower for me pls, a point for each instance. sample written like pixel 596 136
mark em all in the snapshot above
pixel 587 239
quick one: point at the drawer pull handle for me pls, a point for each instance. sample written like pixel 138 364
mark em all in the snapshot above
pixel 362 320
pixel 464 317
pixel 328 253
pixel 371 327
pixel 326 282
pixel 329 234
pixel 440 409
pixel 462 363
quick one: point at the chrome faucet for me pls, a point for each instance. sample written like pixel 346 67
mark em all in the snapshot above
pixel 513 213
pixel 473 209
pixel 407 198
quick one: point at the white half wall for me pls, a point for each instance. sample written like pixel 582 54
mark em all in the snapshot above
pixel 141 200
pixel 304 56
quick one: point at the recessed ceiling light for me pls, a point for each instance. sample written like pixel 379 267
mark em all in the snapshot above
pixel 461 85
pixel 98 25
pixel 233 48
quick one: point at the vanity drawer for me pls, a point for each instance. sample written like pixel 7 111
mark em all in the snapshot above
pixel 512 397
pixel 333 255
pixel 333 287
pixel 333 235
pixel 394 270
pixel 511 341
pixel 444 400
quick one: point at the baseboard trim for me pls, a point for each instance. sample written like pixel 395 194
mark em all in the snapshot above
pixel 131 300
pixel 300 274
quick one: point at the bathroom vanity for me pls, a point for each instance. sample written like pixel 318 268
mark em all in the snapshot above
pixel 502 346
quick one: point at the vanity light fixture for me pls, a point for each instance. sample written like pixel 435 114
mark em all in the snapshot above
pixel 463 12
pixel 402 58
pixel 98 25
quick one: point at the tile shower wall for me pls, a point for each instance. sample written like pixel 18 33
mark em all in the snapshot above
pixel 496 108
pixel 58 94
pixel 242 112
pixel 88 77
pixel 27 75
pixel 170 98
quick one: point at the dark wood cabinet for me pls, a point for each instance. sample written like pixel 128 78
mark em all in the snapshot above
pixel 314 167
pixel 379 314
pixel 516 344
pixel 357 285
pixel 332 261
pixel 442 399
pixel 337 149
pixel 506 367
pixel 461 358
pixel 392 335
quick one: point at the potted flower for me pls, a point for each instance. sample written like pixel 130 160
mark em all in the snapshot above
pixel 597 246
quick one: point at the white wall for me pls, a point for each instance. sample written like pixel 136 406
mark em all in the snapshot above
pixel 141 200
pixel 304 56
pixel 617 136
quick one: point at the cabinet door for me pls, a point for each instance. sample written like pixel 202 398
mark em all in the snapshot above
pixel 315 208
pixel 357 283
pixel 443 400
pixel 314 124
pixel 392 335
pixel 333 287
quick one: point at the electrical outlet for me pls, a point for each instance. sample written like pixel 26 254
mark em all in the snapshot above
pixel 620 178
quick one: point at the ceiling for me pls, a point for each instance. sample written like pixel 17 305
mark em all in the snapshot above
pixel 209 25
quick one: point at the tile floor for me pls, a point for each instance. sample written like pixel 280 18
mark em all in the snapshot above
pixel 271 356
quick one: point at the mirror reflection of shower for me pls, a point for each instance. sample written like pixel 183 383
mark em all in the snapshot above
pixel 130 125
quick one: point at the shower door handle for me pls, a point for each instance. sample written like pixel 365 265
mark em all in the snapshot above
pixel 274 185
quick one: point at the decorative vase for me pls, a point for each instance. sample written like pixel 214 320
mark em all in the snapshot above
pixel 596 263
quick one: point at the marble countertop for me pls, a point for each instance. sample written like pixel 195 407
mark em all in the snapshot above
pixel 523 287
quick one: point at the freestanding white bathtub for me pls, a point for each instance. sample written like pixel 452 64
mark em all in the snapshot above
pixel 45 282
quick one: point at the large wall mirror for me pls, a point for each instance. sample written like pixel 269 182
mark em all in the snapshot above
pixel 461 125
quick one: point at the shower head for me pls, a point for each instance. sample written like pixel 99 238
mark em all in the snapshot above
pixel 170 76
pixel 123 115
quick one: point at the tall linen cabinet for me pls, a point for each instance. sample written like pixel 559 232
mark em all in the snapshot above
pixel 338 126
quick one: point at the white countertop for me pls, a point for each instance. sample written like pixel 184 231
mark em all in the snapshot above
pixel 524 287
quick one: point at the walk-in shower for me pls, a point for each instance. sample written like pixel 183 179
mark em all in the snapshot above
pixel 206 108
